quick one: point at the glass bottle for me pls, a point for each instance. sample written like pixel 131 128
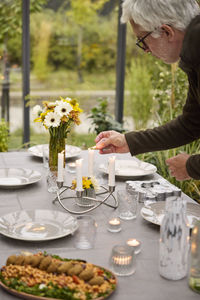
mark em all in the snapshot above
pixel 174 240
pixel 194 275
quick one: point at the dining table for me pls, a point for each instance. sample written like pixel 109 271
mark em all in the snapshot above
pixel 145 283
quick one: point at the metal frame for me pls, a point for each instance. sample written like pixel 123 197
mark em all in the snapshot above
pixel 79 194
pixel 26 68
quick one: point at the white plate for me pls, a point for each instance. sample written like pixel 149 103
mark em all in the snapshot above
pixel 71 151
pixel 37 225
pixel 12 177
pixel 130 168
pixel 154 213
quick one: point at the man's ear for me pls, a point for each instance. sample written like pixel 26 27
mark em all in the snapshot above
pixel 169 31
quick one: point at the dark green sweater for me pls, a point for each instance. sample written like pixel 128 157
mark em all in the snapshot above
pixel 186 127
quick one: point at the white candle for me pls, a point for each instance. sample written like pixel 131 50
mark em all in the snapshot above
pixel 79 185
pixel 114 225
pixel 135 244
pixel 90 162
pixel 111 171
pixel 60 167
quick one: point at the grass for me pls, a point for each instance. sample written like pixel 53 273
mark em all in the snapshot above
pixel 84 141
pixel 67 80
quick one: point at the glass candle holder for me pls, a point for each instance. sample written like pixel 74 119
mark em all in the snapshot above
pixel 71 167
pixel 114 224
pixel 122 260
pixel 135 244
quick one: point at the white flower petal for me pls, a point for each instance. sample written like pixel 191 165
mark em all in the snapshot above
pixel 37 109
pixel 63 108
pixel 52 119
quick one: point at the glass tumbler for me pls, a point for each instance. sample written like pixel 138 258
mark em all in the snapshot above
pixel 128 204
pixel 45 156
pixel 84 237
pixel 122 260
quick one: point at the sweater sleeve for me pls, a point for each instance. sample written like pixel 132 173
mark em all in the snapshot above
pixel 180 131
pixel 193 166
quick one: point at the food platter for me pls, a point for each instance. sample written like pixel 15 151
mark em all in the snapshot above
pixel 18 177
pixel 131 168
pixel 154 213
pixel 26 281
pixel 37 225
pixel 71 151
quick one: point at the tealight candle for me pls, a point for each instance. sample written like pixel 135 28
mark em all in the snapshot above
pixel 135 244
pixel 71 167
pixel 122 260
pixel 114 225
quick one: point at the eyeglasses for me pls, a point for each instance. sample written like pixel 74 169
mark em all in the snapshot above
pixel 141 43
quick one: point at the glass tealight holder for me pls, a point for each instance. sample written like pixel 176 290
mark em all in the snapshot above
pixel 71 167
pixel 114 224
pixel 135 244
pixel 122 260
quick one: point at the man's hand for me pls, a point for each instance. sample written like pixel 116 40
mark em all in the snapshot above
pixel 177 166
pixel 111 142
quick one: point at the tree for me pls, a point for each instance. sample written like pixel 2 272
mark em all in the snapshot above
pixel 83 13
pixel 11 25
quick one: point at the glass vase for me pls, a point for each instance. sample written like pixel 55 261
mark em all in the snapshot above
pixel 194 274
pixel 83 202
pixel 56 145
pixel 174 240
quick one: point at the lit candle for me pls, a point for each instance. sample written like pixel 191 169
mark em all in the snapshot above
pixel 122 260
pixel 72 167
pixel 114 225
pixel 90 162
pixel 111 171
pixel 79 186
pixel 135 244
pixel 60 177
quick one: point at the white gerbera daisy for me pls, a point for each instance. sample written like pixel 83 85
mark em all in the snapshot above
pixel 52 119
pixel 95 183
pixel 63 108
pixel 68 99
pixel 37 110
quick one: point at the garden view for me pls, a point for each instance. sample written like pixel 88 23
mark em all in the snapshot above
pixel 73 54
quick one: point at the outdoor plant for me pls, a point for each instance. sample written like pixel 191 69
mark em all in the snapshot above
pixel 102 120
pixel 170 92
pixel 3 136
pixel 140 104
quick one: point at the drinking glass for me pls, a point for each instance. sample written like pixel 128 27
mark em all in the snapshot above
pixel 122 260
pixel 128 204
pixel 45 155
pixel 84 237
pixel 51 181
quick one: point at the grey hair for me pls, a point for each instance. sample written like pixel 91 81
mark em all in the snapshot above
pixel 152 14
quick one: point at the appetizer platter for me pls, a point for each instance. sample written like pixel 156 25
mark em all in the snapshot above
pixel 43 276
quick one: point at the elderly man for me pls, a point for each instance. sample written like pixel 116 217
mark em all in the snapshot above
pixel 170 31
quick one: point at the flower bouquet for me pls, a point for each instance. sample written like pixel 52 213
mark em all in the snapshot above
pixel 90 186
pixel 57 117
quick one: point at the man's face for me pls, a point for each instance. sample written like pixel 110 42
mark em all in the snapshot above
pixel 166 47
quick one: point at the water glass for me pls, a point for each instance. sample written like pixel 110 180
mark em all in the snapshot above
pixel 128 204
pixel 122 260
pixel 84 237
pixel 45 155
pixel 51 181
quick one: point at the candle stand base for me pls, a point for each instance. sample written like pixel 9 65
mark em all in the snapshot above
pixel 107 191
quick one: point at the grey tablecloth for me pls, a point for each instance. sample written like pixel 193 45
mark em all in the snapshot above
pixel 145 284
